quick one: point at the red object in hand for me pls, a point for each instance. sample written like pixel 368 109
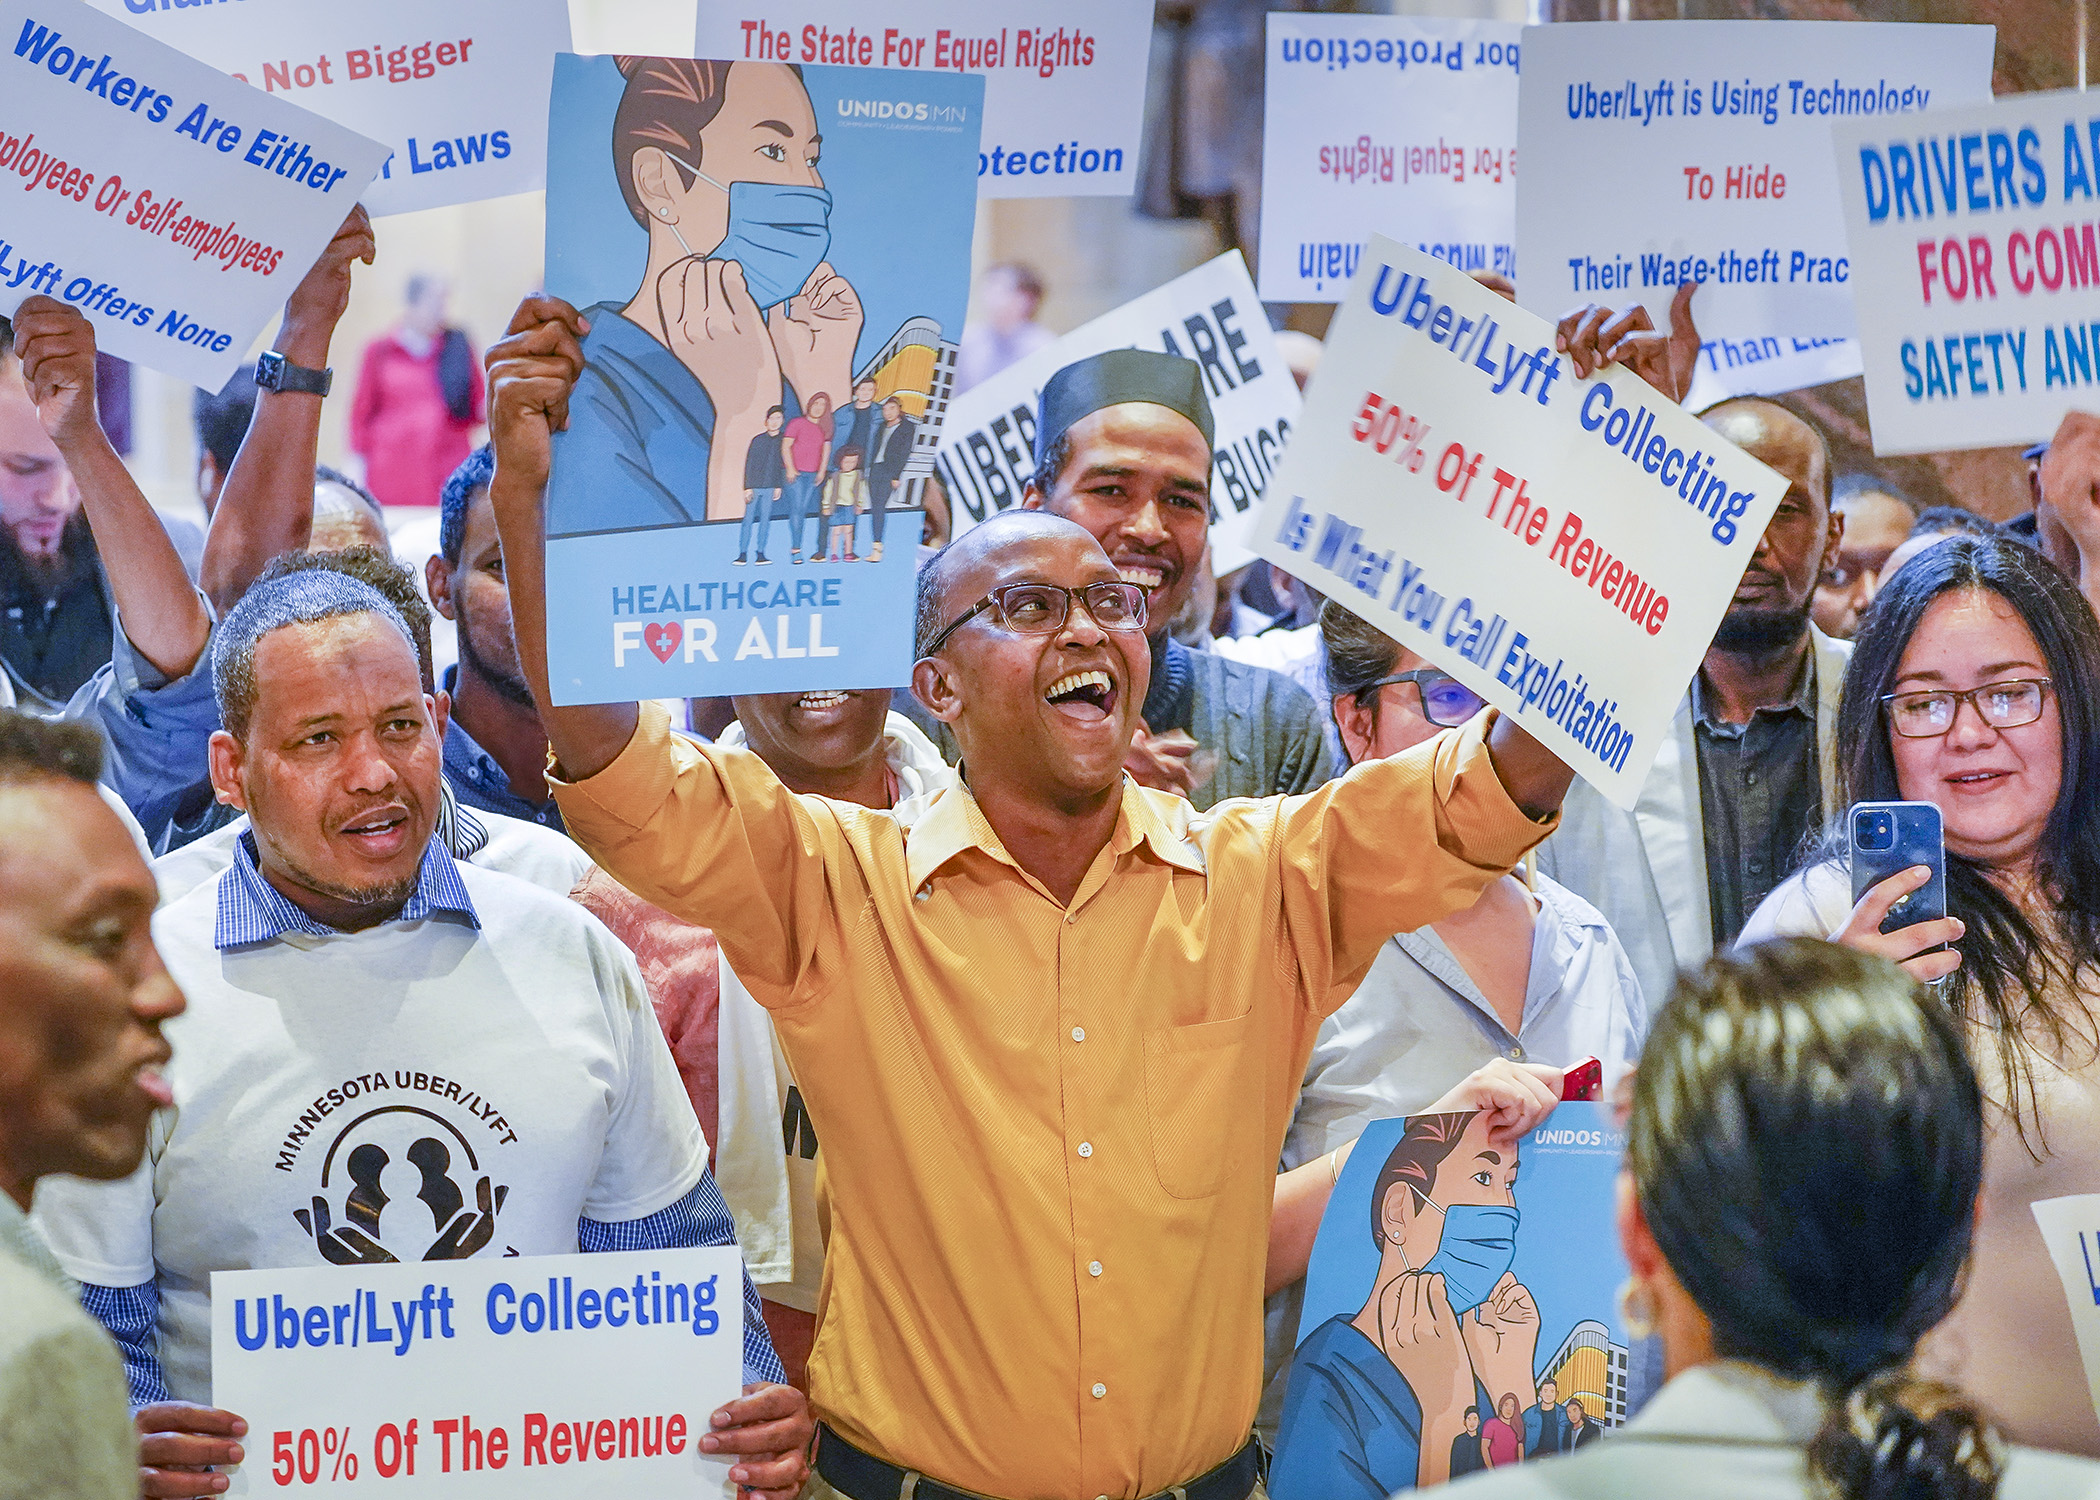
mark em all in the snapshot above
pixel 1583 1081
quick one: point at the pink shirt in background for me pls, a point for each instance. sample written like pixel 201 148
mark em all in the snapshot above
pixel 806 442
pixel 1503 1446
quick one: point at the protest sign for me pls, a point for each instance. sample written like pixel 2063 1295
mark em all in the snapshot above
pixel 1564 548
pixel 2071 1229
pixel 1978 277
pixel 1398 124
pixel 1064 85
pixel 454 91
pixel 173 206
pixel 1532 1266
pixel 771 352
pixel 1766 366
pixel 551 1375
pixel 1210 315
pixel 1668 151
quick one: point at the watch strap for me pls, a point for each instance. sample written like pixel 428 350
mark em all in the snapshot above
pixel 273 372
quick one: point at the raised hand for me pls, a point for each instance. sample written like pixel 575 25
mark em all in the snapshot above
pixel 1167 762
pixel 56 344
pixel 1502 1338
pixel 1595 336
pixel 1906 946
pixel 1421 1337
pixel 532 370
pixel 319 300
pixel 714 326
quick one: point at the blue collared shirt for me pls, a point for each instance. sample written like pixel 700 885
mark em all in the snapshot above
pixel 251 910
pixel 479 781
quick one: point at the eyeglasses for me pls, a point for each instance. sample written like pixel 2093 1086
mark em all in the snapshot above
pixel 1446 702
pixel 1042 608
pixel 2001 705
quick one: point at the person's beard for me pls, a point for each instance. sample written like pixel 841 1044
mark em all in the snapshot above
pixel 1748 631
pixel 509 685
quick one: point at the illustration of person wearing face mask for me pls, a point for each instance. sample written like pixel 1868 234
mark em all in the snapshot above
pixel 1376 1399
pixel 737 310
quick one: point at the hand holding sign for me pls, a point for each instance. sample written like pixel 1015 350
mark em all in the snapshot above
pixel 531 371
pixel 57 349
pixel 769 1429
pixel 180 1444
pixel 322 296
pixel 1592 338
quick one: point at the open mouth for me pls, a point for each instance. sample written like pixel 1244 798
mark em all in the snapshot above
pixel 1087 695
pixel 829 698
pixel 1147 576
pixel 1978 781
pixel 379 835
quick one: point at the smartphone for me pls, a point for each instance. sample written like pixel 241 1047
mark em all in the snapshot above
pixel 1585 1080
pixel 1890 837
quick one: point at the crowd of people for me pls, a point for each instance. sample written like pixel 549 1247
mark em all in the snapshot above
pixel 1087 958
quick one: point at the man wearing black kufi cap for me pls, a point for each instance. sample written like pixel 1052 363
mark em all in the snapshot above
pixel 1123 447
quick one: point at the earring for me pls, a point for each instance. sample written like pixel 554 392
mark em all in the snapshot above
pixel 1636 1309
pixel 664 212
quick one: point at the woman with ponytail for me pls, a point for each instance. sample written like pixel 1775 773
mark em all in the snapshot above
pixel 1803 1161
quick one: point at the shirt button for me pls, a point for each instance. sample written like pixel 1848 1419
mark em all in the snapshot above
pixel 1086 1148
pixel 1078 1033
pixel 1093 1268
pixel 1100 1390
pixel 923 892
pixel 1517 1053
pixel 1750 779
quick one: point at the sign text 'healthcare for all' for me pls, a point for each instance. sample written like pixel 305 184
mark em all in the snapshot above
pixel 1565 548
pixel 174 206
pixel 1064 85
pixel 1668 151
pixel 736 504
pixel 457 92
pixel 559 1376
pixel 1397 124
pixel 1210 315
pixel 1979 284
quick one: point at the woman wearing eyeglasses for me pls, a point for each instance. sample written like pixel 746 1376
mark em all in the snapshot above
pixel 1531 974
pixel 1974 686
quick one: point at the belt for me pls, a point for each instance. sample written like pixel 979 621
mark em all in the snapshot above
pixel 862 1476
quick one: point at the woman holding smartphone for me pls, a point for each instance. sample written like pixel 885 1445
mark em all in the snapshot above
pixel 1974 686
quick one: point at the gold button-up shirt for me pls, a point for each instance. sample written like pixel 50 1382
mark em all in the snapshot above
pixel 1050 1132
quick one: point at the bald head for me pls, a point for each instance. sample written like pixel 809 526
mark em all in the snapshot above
pixel 1774 436
pixel 963 567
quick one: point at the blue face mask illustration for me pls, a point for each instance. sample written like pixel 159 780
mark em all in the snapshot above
pixel 777 232
pixel 1480 1241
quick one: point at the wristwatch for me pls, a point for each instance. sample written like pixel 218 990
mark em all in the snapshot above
pixel 273 372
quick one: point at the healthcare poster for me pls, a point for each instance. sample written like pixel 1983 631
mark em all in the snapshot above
pixel 173 206
pixel 1658 152
pixel 1064 85
pixel 455 91
pixel 1389 1390
pixel 774 268
pixel 1564 548
pixel 1979 284
pixel 1404 125
pixel 552 1377
pixel 1210 315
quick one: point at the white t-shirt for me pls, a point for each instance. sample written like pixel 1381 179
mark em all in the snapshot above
pixel 552 861
pixel 386 1080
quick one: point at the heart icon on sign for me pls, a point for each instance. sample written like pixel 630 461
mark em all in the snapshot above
pixel 662 639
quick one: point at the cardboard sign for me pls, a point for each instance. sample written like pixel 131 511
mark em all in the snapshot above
pixel 1531 1268
pixel 1064 85
pixel 455 91
pixel 737 502
pixel 553 1375
pixel 1668 151
pixel 1210 315
pixel 1979 277
pixel 1397 124
pixel 2071 1229
pixel 1564 548
pixel 174 206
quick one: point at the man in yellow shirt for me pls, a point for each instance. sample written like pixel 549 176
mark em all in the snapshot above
pixel 1049 1025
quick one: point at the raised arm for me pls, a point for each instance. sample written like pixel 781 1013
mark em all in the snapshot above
pixel 532 370
pixel 267 504
pixel 160 612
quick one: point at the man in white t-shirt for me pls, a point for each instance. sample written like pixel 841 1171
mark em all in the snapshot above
pixel 388 1055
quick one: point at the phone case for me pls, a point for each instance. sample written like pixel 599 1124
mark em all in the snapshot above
pixel 1915 839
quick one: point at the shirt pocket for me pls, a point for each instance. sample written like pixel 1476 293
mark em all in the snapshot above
pixel 1198 1102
